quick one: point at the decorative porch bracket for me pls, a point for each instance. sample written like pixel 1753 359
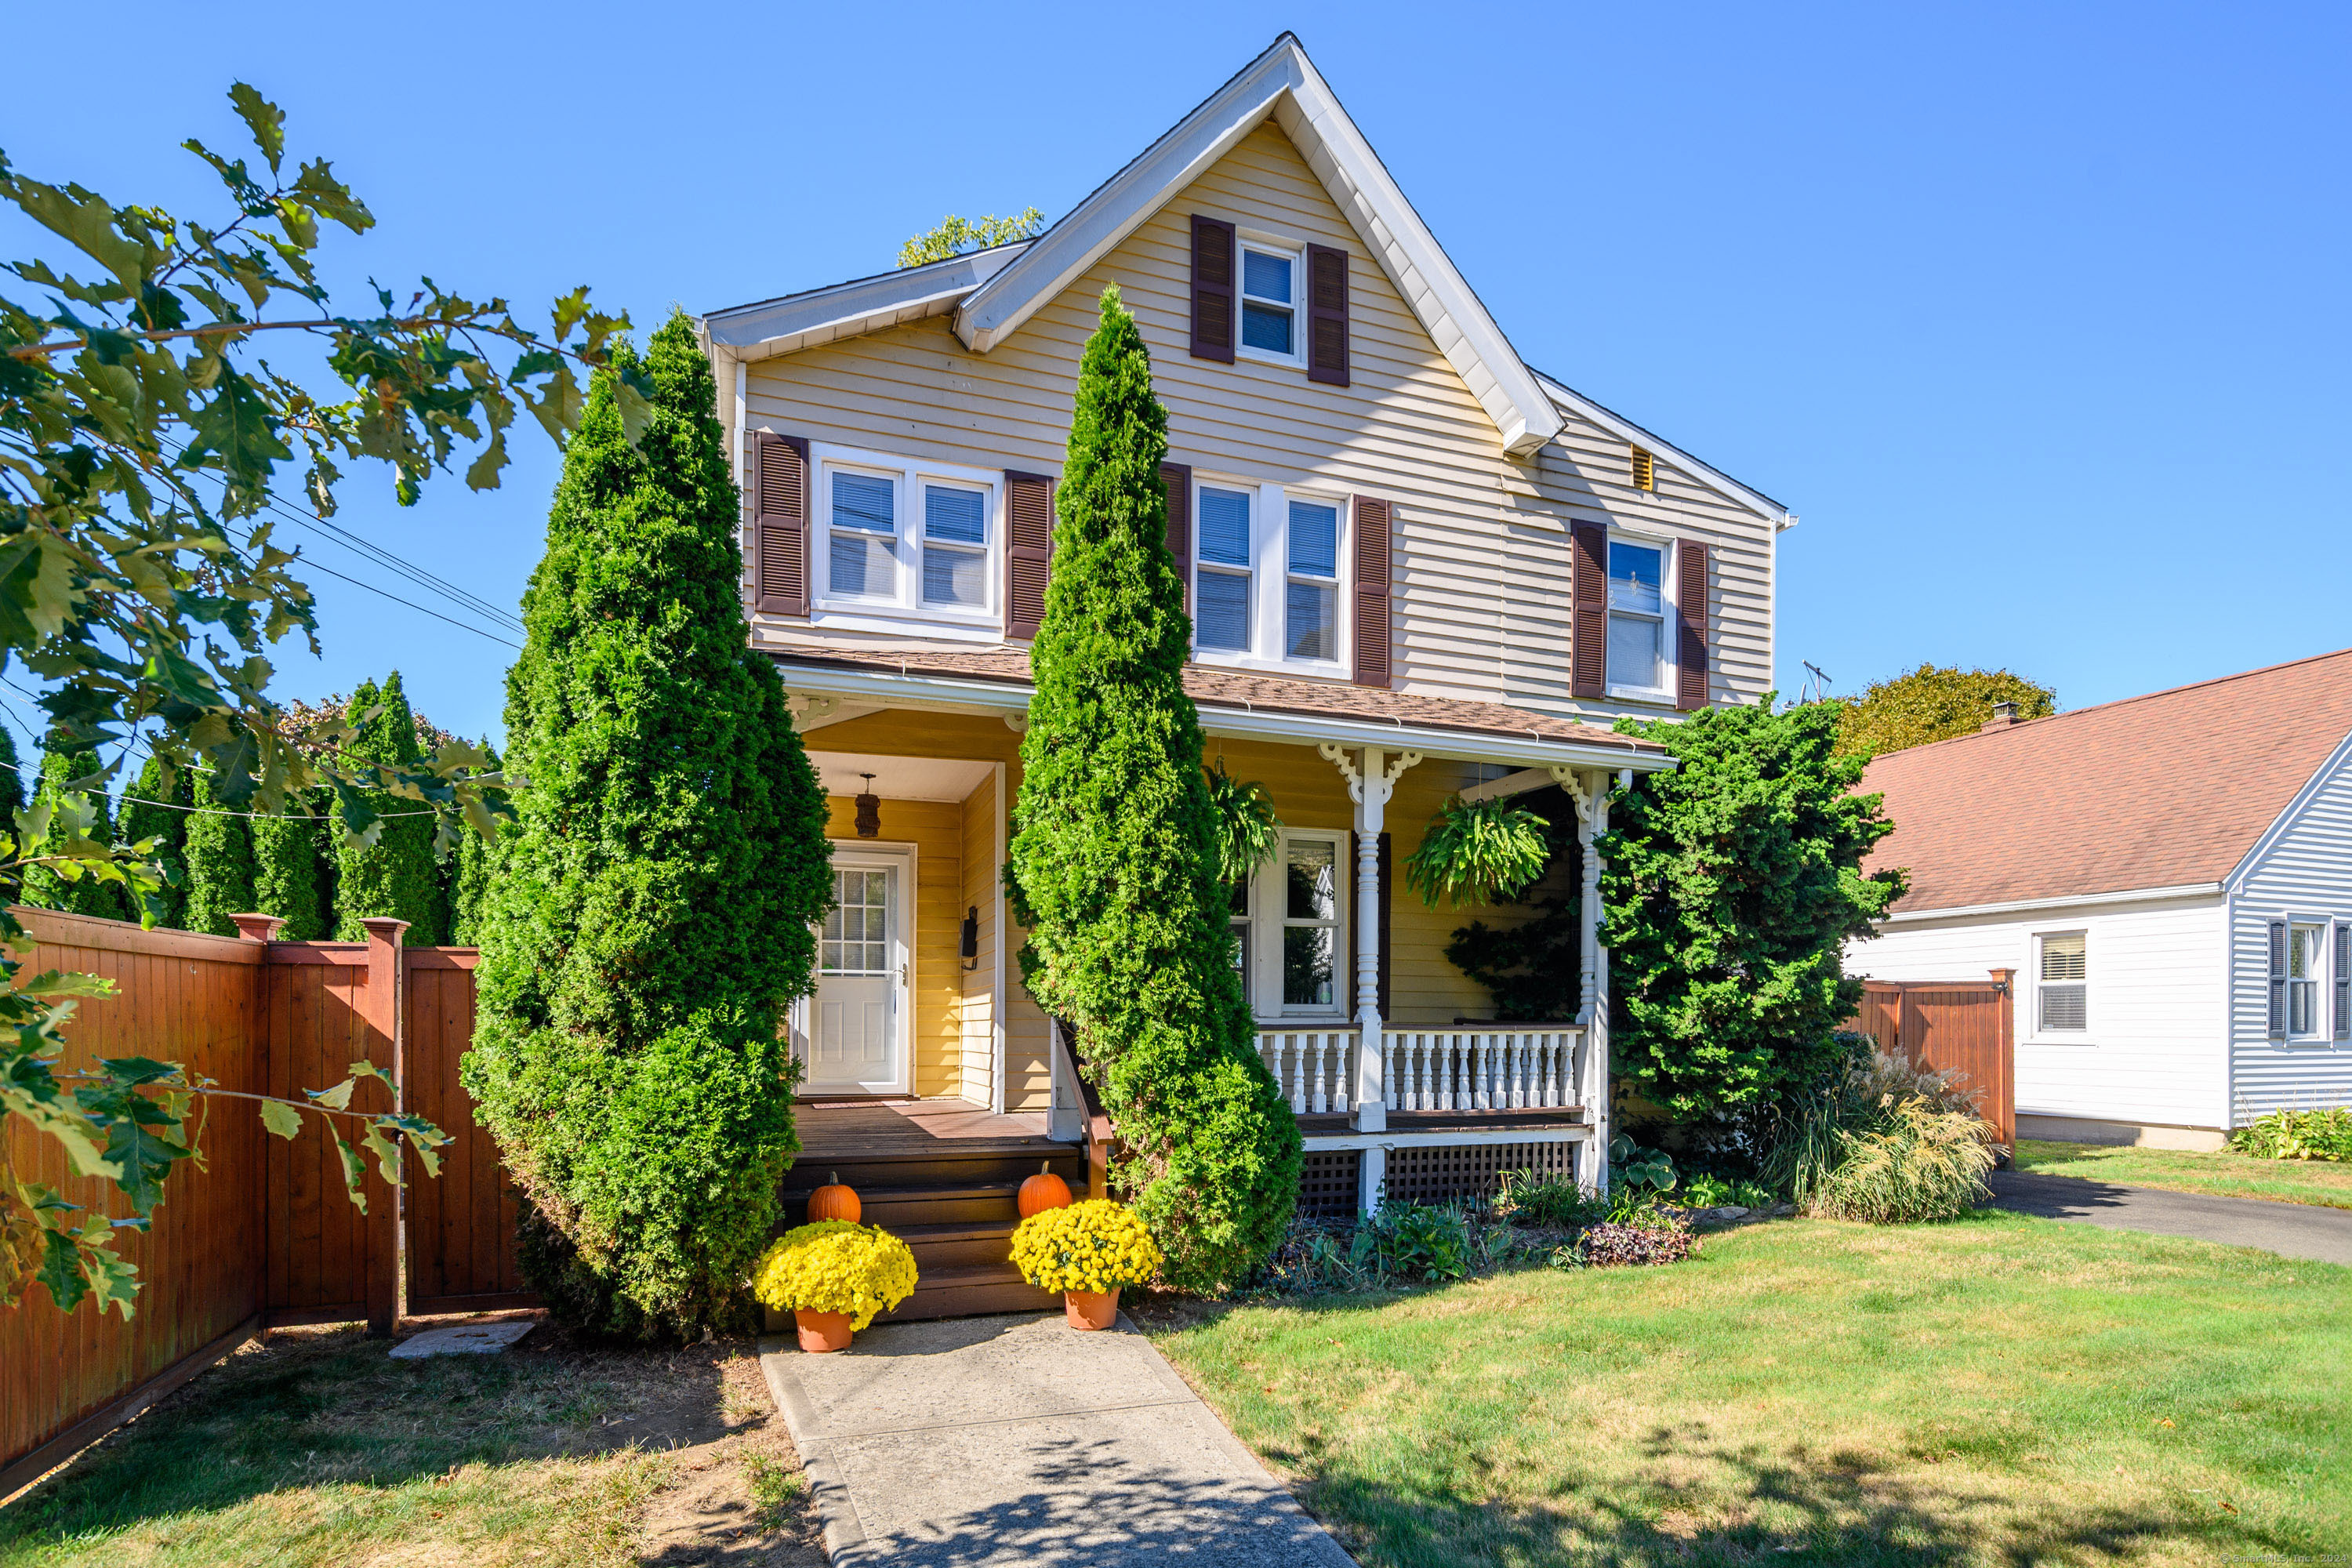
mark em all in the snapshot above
pixel 1371 787
pixel 1589 792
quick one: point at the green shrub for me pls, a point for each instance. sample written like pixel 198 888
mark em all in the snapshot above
pixel 469 883
pixel 396 875
pixel 220 863
pixel 148 812
pixel 1114 862
pixel 1711 1191
pixel 1552 1201
pixel 62 765
pixel 293 875
pixel 2297 1135
pixel 653 915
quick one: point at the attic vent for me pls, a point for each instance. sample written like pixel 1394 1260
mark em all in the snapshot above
pixel 1646 477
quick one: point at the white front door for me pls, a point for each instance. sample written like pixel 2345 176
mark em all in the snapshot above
pixel 857 1036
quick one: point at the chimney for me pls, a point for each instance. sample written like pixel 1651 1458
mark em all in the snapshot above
pixel 2004 714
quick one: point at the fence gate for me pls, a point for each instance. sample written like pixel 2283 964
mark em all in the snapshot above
pixel 1966 1027
pixel 461 1224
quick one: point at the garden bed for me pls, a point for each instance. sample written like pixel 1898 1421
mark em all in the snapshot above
pixel 1989 1390
pixel 319 1449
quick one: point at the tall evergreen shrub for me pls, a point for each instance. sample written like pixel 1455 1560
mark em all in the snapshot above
pixel 148 812
pixel 1730 887
pixel 652 918
pixel 61 764
pixel 220 863
pixel 293 868
pixel 397 875
pixel 471 870
pixel 1115 853
pixel 13 779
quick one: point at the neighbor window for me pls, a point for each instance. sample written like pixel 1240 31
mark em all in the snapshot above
pixel 2061 990
pixel 901 542
pixel 2306 962
pixel 1269 300
pixel 1221 593
pixel 1312 596
pixel 1637 615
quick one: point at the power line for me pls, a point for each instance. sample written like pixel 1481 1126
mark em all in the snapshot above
pixel 223 811
pixel 336 534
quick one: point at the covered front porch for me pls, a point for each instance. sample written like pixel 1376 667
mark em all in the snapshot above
pixel 1403 1080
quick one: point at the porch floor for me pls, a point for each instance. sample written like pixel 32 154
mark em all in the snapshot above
pixel 854 1129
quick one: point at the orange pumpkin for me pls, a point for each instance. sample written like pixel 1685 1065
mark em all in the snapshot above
pixel 832 1201
pixel 1043 1191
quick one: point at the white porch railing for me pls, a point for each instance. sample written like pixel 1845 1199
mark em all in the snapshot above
pixel 1427 1070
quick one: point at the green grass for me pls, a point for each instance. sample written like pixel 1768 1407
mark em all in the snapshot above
pixel 1993 1390
pixel 2224 1175
pixel 321 1449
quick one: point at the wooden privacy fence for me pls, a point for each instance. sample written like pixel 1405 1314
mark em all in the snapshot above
pixel 1967 1027
pixel 266 1236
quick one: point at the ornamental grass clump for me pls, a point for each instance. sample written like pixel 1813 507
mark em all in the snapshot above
pixel 1095 1246
pixel 1882 1143
pixel 835 1266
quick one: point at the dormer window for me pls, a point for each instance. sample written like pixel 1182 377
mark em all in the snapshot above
pixel 1270 300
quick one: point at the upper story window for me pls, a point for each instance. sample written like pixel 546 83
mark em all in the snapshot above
pixel 1637 616
pixel 1266 588
pixel 902 542
pixel 2062 985
pixel 1270 299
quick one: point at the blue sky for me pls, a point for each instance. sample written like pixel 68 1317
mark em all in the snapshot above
pixel 2036 315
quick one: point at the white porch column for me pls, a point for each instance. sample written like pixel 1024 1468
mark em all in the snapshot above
pixel 1370 789
pixel 1590 794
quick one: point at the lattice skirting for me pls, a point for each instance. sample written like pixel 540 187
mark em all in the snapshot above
pixel 1328 1183
pixel 1467 1169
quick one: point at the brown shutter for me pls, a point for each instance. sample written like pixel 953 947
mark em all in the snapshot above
pixel 1212 288
pixel 780 536
pixel 1327 314
pixel 1690 610
pixel 1588 673
pixel 1373 665
pixel 1178 477
pixel 1028 550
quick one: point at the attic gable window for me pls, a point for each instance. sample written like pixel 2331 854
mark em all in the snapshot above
pixel 1270 274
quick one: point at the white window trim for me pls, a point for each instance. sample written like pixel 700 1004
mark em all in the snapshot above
pixel 2323 982
pixel 1669 614
pixel 904 610
pixel 1270 575
pixel 2032 1032
pixel 1295 251
pixel 1269 904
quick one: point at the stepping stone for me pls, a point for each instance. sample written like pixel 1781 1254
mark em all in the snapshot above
pixel 465 1339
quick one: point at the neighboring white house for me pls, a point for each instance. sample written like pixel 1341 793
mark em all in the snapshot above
pixel 2170 877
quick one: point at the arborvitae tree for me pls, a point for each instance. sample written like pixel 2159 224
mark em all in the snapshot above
pixel 469 880
pixel 12 780
pixel 167 823
pixel 396 875
pixel 652 916
pixel 1730 887
pixel 61 764
pixel 220 864
pixel 1114 856
pixel 289 879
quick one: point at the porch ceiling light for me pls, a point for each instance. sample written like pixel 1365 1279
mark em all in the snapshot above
pixel 869 810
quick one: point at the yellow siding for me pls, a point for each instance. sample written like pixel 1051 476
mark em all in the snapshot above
pixel 980 892
pixel 1482 561
pixel 936 829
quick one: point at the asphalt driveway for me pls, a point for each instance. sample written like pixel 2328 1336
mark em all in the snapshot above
pixel 2291 1230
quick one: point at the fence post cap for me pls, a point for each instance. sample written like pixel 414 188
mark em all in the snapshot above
pixel 258 928
pixel 383 928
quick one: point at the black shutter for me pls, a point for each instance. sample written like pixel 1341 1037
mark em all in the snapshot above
pixel 2343 975
pixel 1588 673
pixel 2278 980
pixel 1327 314
pixel 780 532
pixel 1212 288
pixel 1028 550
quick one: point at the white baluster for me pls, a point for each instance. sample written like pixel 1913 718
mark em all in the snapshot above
pixel 1521 1070
pixel 1421 1099
pixel 1393 1060
pixel 1322 1070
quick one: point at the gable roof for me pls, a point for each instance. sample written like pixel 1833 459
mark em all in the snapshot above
pixel 992 293
pixel 2174 789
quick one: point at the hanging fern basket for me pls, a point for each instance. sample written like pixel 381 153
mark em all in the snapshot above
pixel 1479 852
pixel 1247 828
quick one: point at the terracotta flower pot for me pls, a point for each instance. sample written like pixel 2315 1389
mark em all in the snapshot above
pixel 822 1331
pixel 1090 1308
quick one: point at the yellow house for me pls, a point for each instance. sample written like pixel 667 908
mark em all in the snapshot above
pixel 1417 569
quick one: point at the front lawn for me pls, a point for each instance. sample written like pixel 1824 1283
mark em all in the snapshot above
pixel 1995 1390
pixel 2224 1175
pixel 319 1449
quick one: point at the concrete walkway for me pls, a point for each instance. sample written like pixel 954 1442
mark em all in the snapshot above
pixel 1018 1440
pixel 2291 1230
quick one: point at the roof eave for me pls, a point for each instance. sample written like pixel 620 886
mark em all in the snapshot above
pixel 774 327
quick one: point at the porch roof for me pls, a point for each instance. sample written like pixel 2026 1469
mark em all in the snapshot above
pixel 1237 702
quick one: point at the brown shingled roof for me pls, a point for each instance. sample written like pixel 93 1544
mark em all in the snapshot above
pixel 2168 790
pixel 1226 689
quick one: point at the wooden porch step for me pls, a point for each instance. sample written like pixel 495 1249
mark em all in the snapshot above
pixel 894 1208
pixel 971 1290
pixel 936 1170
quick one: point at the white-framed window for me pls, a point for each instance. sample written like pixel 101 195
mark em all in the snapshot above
pixel 1274 273
pixel 900 540
pixel 2062 985
pixel 1641 654
pixel 2307 968
pixel 1289 920
pixel 1269 576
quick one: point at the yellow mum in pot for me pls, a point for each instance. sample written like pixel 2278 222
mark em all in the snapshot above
pixel 1095 1246
pixel 835 1266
